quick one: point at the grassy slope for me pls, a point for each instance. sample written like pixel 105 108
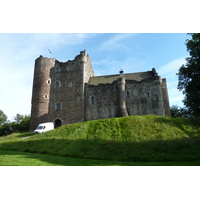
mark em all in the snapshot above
pixel 15 158
pixel 134 138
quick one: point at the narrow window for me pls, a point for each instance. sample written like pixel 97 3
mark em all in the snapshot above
pixel 58 106
pixel 46 96
pixel 57 69
pixel 128 95
pixel 148 95
pixel 49 81
pixel 92 100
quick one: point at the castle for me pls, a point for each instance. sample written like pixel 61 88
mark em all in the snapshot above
pixel 68 92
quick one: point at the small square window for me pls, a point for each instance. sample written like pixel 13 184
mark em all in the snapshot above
pixel 57 84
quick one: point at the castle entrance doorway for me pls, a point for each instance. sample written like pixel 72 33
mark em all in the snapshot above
pixel 57 123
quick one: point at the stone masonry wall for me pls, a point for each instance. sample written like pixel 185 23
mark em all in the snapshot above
pixel 141 98
pixel 41 91
pixel 70 92
pixel 144 98
pixel 165 98
pixel 100 101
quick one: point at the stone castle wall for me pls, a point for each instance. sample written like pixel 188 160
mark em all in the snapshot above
pixel 100 101
pixel 68 92
pixel 67 89
pixel 41 91
pixel 144 98
pixel 137 98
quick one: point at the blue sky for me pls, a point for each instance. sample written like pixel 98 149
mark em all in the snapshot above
pixel 109 52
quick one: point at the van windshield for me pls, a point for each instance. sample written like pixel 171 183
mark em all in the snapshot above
pixel 39 127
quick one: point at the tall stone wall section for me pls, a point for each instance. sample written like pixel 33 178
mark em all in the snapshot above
pixel 144 98
pixel 165 98
pixel 41 91
pixel 67 89
pixel 100 101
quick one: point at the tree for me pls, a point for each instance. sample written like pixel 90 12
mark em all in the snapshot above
pixel 19 118
pixel 189 76
pixel 177 111
pixel 3 117
pixel 21 124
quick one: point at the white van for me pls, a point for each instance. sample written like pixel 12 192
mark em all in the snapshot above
pixel 44 127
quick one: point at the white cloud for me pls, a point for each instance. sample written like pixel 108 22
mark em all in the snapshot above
pixel 172 67
pixel 175 96
pixel 169 71
pixel 58 39
pixel 109 66
pixel 17 55
pixel 115 41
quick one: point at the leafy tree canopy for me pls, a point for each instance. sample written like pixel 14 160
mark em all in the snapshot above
pixel 3 117
pixel 189 76
pixel 19 118
pixel 177 111
pixel 20 124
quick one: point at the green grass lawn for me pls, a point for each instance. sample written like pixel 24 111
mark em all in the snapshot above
pixel 133 139
pixel 16 158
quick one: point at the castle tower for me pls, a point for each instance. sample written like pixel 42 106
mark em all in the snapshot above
pixel 165 98
pixel 41 91
pixel 67 89
pixel 122 110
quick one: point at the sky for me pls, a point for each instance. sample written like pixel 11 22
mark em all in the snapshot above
pixel 109 52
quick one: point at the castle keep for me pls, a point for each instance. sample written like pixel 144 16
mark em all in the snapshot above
pixel 68 92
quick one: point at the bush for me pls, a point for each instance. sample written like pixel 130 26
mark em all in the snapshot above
pixel 21 124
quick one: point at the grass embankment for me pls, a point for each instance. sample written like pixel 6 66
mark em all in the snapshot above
pixel 17 158
pixel 130 139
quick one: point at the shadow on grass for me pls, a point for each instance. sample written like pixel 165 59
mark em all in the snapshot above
pixel 21 135
pixel 105 152
pixel 16 158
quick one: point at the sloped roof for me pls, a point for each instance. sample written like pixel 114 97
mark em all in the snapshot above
pixel 110 78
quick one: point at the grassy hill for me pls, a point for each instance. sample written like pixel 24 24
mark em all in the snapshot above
pixel 133 138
